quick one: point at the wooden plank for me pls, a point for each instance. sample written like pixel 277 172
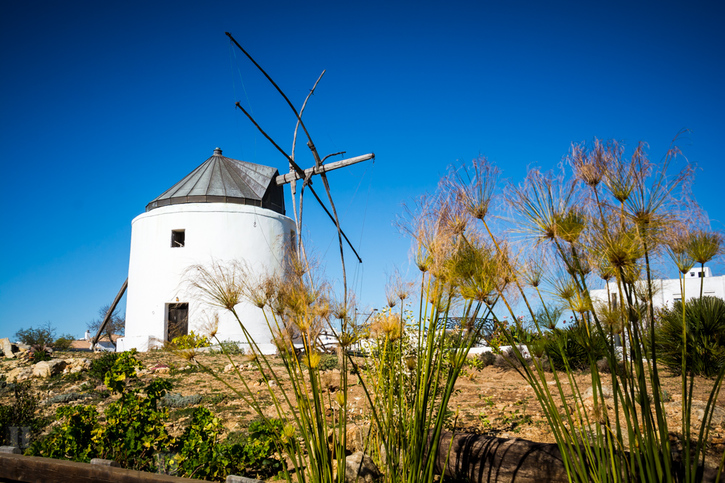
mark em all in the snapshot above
pixel 289 177
pixel 94 341
pixel 32 469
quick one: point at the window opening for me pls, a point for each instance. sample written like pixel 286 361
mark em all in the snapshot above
pixel 178 237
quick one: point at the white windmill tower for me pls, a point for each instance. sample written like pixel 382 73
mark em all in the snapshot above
pixel 225 210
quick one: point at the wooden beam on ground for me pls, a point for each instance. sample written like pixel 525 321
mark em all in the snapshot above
pixel 292 176
pixel 94 341
pixel 32 469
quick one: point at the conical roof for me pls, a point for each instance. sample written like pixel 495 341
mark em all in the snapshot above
pixel 225 180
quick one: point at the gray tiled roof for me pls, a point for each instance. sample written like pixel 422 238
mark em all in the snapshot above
pixel 225 180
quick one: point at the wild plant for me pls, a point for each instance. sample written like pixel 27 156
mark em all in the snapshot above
pixel 610 218
pixel 296 308
pixel 419 355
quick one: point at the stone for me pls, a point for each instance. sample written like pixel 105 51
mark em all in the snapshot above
pixel 606 392
pixel 48 368
pixel 160 368
pixel 241 479
pixel 7 348
pixel 74 366
pixel 20 374
pixel 229 367
pixel 357 436
pixel 359 467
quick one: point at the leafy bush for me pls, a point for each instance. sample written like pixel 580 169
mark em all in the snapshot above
pixel 134 426
pixel 201 455
pixel 101 365
pixel 73 439
pixel 705 343
pixel 256 451
pixel 134 432
pixel 190 341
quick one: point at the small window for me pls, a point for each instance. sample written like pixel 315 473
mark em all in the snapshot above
pixel 177 238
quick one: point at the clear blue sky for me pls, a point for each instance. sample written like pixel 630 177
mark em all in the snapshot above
pixel 104 105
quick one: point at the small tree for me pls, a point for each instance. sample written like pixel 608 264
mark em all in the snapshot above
pixel 116 324
pixel 37 338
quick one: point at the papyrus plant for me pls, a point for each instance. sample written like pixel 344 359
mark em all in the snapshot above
pixel 418 354
pixel 610 217
pixel 296 308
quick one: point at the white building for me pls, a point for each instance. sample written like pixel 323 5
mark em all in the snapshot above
pixel 225 210
pixel 667 292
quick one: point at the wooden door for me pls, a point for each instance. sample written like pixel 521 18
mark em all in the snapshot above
pixel 177 322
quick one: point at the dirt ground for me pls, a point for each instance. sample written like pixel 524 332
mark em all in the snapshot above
pixel 494 400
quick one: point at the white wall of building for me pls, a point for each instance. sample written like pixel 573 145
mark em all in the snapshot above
pixel 667 291
pixel 213 232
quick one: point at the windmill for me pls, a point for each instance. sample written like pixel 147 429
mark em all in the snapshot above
pixel 154 305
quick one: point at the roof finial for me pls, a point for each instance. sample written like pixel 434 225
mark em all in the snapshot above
pixel 217 152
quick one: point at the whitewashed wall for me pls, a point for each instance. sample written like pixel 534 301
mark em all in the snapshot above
pixel 667 291
pixel 218 232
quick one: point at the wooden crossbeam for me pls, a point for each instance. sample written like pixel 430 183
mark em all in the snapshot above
pixel 295 175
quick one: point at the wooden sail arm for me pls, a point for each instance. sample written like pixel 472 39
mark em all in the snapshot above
pixel 292 176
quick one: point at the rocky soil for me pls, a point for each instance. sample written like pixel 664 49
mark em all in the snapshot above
pixel 493 400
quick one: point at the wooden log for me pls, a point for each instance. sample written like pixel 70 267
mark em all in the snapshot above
pixel 32 469
pixel 479 459
pixel 484 458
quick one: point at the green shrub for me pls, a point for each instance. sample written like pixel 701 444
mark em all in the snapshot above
pixel 101 365
pixel 327 362
pixel 705 319
pixel 189 341
pixel 134 428
pixel 228 347
pixel 39 355
pixel 200 454
pixel 72 440
pixel 576 345
pixel 63 343
pixel 20 413
pixel 481 361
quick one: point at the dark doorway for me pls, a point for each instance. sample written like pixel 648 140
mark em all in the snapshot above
pixel 177 321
